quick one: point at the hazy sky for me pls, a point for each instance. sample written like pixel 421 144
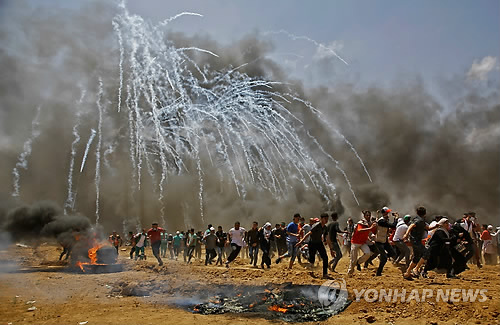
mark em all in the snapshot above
pixel 381 40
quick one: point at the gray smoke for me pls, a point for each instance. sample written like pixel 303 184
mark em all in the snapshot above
pixel 417 150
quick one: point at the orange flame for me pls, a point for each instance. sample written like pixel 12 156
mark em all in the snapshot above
pixel 92 254
pixel 277 308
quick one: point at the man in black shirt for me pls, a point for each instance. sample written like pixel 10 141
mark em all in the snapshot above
pixel 280 236
pixel 333 229
pixel 221 243
pixel 252 239
pixel 416 232
pixel 316 243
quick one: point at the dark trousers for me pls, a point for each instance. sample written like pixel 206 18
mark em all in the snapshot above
pixel 459 261
pixel 190 252
pixel 384 249
pixel 338 254
pixel 210 255
pixel 265 255
pixel 282 249
pixel 132 251
pixel 320 248
pixel 254 253
pixel 235 250
pixel 374 250
pixel 177 249
pixel 156 250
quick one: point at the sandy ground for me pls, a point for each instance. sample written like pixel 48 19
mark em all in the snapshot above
pixel 63 297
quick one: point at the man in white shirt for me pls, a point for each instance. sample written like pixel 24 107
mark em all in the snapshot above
pixel 140 244
pixel 404 250
pixel 237 239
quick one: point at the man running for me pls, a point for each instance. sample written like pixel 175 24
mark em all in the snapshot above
pixel 333 229
pixel 164 243
pixel 176 242
pixel 221 244
pixel 316 243
pixel 154 235
pixel 210 240
pixel 237 239
pixel 304 248
pixel 252 239
pixel 381 237
pixel 292 232
pixel 416 232
pixel 359 238
pixel 131 238
pixel 472 227
pixel 191 244
pixel 404 250
pixel 349 230
pixel 280 239
pixel 115 240
pixel 140 243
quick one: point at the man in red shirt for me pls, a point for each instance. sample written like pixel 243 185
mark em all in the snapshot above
pixel 154 235
pixel 361 233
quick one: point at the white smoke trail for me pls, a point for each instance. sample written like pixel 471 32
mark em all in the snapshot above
pixel 120 45
pixel 69 204
pixel 185 13
pixel 87 148
pixel 308 39
pixel 198 49
pixel 22 161
pixel 98 152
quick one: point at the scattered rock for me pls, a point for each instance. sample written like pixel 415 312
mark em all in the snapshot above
pixel 32 308
pixel 133 289
pixel 370 319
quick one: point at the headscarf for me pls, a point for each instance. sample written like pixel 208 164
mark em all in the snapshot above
pixel 267 232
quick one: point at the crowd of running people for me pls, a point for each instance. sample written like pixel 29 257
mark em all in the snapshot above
pixel 416 244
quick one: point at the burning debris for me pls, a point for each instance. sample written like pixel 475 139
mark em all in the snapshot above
pixel 101 257
pixel 74 233
pixel 291 303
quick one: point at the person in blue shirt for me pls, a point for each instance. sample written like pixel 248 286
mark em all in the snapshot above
pixel 292 238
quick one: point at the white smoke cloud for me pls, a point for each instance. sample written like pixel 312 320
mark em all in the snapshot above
pixel 480 70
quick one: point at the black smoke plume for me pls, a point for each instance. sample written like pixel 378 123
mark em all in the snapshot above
pixel 44 219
